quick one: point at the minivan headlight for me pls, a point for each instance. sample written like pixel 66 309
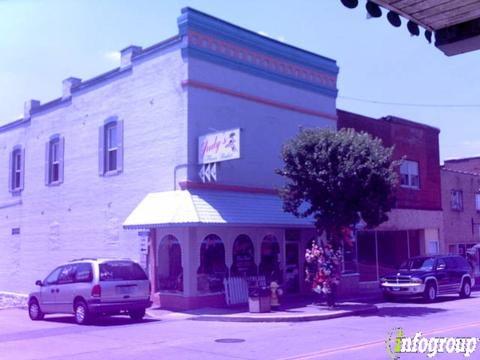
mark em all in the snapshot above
pixel 417 281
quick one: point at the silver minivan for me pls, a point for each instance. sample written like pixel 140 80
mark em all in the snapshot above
pixel 91 287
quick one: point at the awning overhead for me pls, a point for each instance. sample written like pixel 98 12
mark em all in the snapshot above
pixel 204 207
pixel 435 14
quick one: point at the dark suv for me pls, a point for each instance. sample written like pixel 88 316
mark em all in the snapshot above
pixel 429 276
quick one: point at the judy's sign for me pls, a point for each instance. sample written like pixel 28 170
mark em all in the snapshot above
pixel 220 146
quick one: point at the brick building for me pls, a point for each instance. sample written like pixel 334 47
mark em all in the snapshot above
pixel 415 225
pixel 461 208
pixel 111 168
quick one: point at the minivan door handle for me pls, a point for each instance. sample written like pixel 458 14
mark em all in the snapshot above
pixel 52 291
pixel 58 290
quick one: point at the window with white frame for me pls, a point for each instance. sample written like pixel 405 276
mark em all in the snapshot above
pixel 16 170
pixel 409 176
pixel 456 200
pixel 54 160
pixel 111 147
pixel 477 201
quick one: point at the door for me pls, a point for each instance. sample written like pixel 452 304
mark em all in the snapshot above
pixel 66 289
pixel 48 291
pixel 441 274
pixel 292 275
pixel 455 274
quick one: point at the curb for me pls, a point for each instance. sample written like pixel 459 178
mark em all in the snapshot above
pixel 285 318
pixel 9 300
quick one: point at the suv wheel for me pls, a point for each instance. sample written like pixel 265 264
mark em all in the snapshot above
pixel 137 315
pixel 466 289
pixel 430 292
pixel 82 316
pixel 34 310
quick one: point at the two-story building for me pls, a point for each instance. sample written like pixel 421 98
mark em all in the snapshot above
pixel 415 225
pixel 461 207
pixel 119 156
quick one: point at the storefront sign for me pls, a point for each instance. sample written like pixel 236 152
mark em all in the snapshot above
pixel 220 146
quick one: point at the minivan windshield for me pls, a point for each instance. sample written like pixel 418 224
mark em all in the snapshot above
pixel 121 270
pixel 422 264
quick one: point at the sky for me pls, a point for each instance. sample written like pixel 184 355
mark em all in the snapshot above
pixel 43 42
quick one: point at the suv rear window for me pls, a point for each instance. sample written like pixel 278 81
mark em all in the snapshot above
pixel 121 270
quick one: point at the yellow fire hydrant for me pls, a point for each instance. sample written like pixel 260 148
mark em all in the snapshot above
pixel 276 292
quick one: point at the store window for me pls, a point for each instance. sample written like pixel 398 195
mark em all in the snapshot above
pixel 212 270
pixel 243 257
pixel 349 247
pixel 456 200
pixel 409 176
pixel 169 265
pixel 270 259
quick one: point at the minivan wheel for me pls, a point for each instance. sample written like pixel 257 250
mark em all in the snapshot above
pixel 430 292
pixel 82 316
pixel 34 311
pixel 466 290
pixel 137 315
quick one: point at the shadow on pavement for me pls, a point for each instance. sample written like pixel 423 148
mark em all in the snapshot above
pixel 403 311
pixel 101 321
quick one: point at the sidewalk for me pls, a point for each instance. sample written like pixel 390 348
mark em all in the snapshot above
pixel 293 310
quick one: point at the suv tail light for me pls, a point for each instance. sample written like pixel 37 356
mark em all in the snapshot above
pixel 96 291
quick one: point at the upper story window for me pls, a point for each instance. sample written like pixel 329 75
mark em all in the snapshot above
pixel 456 200
pixel 16 173
pixel 477 201
pixel 111 147
pixel 409 177
pixel 54 150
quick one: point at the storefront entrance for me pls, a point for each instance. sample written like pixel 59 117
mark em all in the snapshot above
pixel 292 275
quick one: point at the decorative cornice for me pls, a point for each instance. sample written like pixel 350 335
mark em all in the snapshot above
pixel 194 20
pixel 257 99
pixel 259 63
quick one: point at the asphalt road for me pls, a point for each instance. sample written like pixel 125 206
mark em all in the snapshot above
pixel 358 337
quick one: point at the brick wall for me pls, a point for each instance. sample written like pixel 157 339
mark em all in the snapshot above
pixel 412 141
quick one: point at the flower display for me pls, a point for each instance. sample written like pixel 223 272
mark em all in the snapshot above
pixel 323 267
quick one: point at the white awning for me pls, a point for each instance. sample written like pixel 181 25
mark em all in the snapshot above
pixel 206 207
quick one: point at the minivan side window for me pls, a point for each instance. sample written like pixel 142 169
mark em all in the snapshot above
pixel 67 274
pixel 84 273
pixel 53 277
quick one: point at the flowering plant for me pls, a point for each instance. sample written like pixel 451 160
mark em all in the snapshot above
pixel 323 267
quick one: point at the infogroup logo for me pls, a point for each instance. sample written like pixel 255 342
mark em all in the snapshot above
pixel 397 343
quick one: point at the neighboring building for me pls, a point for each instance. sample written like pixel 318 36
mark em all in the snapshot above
pixel 415 225
pixel 461 208
pixel 79 165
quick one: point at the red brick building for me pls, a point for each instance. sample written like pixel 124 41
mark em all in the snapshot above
pixel 415 225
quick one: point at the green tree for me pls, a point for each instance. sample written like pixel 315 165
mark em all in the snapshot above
pixel 339 178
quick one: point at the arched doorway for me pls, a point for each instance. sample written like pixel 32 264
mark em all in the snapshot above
pixel 169 265
pixel 212 269
pixel 243 257
pixel 270 259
